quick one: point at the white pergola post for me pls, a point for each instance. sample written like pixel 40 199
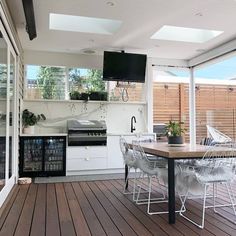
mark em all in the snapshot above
pixel 149 95
pixel 192 109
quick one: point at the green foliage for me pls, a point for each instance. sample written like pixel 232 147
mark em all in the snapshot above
pixel 29 118
pixel 76 95
pixel 76 80
pixel 174 129
pixel 94 80
pixel 90 83
pixel 50 81
pixel 99 96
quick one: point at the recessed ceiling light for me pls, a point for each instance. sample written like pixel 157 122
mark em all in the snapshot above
pixel 88 51
pixel 199 14
pixel 110 4
pixel 192 35
pixel 83 24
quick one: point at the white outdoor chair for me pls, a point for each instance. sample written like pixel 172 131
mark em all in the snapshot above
pixel 157 160
pixel 151 170
pixel 131 162
pixel 218 137
pixel 214 168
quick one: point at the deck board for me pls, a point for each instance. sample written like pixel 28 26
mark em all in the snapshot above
pixel 213 224
pixel 52 217
pixel 97 208
pixel 13 216
pixel 93 222
pixel 120 222
pixel 109 227
pixel 65 218
pixel 135 223
pixel 80 224
pixel 39 217
pixel 8 206
pixel 24 223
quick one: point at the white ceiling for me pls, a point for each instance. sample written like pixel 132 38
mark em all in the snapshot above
pixel 141 19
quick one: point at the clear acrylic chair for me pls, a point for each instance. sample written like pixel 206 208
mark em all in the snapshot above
pixel 216 166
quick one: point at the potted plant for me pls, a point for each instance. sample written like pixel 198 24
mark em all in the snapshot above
pixel 174 132
pixel 74 95
pixel 29 120
pixel 98 96
pixel 94 96
pixel 84 96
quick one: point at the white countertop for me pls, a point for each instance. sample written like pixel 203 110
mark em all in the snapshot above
pixel 43 134
pixel 130 134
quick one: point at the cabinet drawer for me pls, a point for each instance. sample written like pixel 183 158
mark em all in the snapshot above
pixel 86 164
pixel 86 152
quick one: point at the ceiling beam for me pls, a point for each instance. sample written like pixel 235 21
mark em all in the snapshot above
pixel 215 53
pixel 29 17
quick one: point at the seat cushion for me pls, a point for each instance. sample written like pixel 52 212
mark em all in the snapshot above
pixel 129 159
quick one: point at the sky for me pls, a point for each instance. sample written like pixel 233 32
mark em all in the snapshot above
pixel 222 70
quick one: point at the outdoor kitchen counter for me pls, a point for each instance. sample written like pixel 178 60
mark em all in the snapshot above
pixel 43 134
pixel 129 134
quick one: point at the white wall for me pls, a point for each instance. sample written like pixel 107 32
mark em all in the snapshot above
pixel 116 115
pixel 63 59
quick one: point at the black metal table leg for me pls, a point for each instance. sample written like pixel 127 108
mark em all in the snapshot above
pixel 171 190
pixel 126 176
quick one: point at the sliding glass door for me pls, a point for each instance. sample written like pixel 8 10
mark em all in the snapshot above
pixel 3 109
pixel 8 115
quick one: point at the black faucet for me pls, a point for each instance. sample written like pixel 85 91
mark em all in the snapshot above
pixel 133 120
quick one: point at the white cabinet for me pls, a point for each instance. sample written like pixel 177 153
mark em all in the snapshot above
pixel 99 159
pixel 115 159
pixel 86 158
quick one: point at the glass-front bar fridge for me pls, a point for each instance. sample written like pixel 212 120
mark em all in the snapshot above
pixel 42 156
pixel 54 153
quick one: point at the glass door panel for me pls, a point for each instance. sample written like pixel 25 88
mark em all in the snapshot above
pixel 11 97
pixel 3 107
pixel 33 155
pixel 54 151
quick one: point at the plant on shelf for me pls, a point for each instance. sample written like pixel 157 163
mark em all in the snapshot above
pixel 76 95
pixel 174 132
pixel 29 120
pixel 98 96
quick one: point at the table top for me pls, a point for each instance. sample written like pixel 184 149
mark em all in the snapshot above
pixel 164 150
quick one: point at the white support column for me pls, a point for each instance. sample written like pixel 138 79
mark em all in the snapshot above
pixel 67 84
pixel 192 109
pixel 149 95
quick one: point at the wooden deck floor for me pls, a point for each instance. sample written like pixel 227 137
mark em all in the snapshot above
pixel 96 208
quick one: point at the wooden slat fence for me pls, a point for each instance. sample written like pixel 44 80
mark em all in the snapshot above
pixel 215 105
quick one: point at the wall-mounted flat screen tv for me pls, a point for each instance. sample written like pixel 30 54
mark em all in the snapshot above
pixel 120 66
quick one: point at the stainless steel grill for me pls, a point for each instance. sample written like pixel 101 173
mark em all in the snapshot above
pixel 86 132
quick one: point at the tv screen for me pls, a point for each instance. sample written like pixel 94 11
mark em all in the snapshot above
pixel 119 66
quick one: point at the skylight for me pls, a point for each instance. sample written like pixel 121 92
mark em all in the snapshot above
pixel 83 24
pixel 183 34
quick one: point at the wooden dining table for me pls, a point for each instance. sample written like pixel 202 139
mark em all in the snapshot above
pixel 173 153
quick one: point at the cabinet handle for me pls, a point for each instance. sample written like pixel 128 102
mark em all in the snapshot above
pixel 86 159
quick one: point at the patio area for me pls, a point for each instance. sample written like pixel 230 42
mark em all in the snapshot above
pixel 97 208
